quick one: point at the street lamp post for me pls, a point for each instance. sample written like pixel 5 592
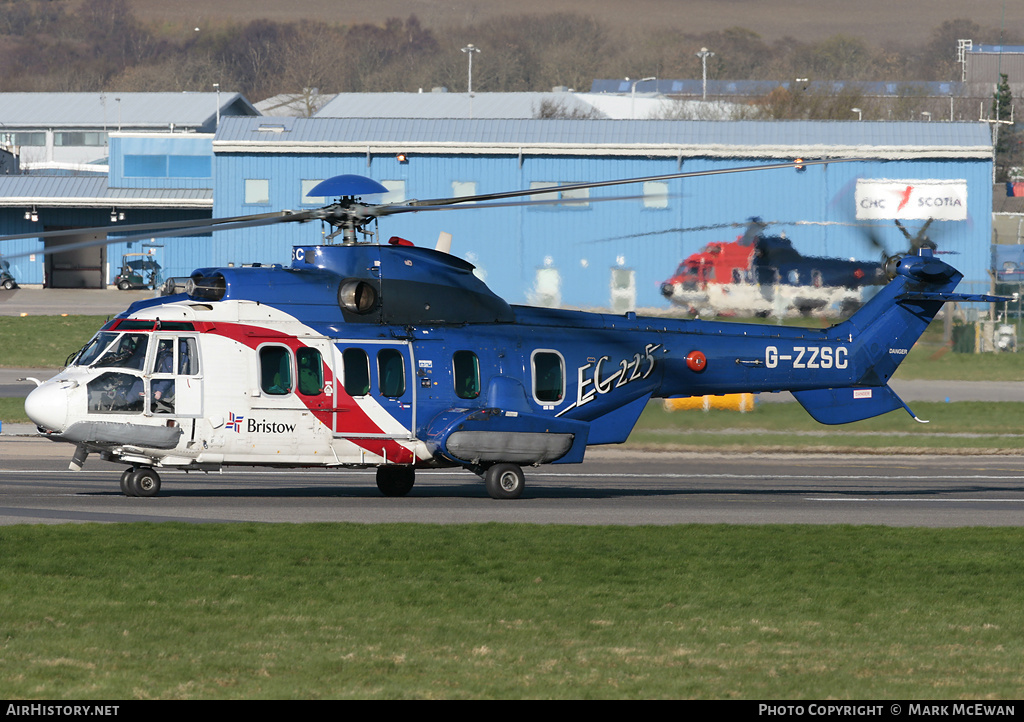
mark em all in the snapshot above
pixel 859 112
pixel 469 50
pixel 632 95
pixel 704 54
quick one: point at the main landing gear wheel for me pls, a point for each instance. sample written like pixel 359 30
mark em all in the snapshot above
pixel 395 480
pixel 141 481
pixel 504 481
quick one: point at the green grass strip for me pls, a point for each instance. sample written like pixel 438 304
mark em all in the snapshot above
pixel 172 611
pixel 963 426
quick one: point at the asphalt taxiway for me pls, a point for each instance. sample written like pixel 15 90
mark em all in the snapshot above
pixel 614 486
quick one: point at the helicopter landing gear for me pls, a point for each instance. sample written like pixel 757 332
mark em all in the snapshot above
pixel 140 481
pixel 504 481
pixel 395 480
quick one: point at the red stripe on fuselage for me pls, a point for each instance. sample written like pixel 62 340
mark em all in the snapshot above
pixel 356 420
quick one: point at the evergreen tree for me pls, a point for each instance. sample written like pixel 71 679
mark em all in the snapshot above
pixel 1002 101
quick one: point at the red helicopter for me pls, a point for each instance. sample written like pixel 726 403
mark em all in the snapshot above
pixel 760 275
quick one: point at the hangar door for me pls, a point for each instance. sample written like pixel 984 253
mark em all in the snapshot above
pixel 77 268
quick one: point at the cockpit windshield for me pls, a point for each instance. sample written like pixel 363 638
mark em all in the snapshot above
pixel 108 349
pixel 94 348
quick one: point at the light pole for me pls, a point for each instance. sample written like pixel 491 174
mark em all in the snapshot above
pixel 632 95
pixel 859 112
pixel 216 86
pixel 704 54
pixel 469 50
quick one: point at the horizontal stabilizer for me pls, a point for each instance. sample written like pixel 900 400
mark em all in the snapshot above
pixel 955 297
pixel 841 406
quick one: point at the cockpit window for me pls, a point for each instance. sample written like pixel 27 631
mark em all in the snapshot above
pixel 129 351
pixel 95 347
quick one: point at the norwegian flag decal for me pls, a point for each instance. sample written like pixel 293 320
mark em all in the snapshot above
pixel 234 422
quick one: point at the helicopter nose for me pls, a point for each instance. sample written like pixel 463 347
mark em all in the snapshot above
pixel 47 406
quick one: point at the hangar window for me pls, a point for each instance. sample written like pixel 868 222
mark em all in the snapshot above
pixel 276 370
pixel 189 166
pixel 461 189
pixel 308 200
pixel 537 185
pixel 257 191
pixel 579 198
pixel 77 138
pixel 548 377
pixel 655 194
pixel 28 138
pixel 396 191
pixel 167 166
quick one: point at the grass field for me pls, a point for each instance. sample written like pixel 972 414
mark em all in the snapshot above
pixel 169 611
pixel 251 611
pixel 962 427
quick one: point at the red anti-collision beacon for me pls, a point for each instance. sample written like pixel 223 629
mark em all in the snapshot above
pixel 696 361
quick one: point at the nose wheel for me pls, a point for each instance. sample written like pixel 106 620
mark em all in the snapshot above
pixel 140 481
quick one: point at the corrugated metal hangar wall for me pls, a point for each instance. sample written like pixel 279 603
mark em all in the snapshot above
pixel 573 249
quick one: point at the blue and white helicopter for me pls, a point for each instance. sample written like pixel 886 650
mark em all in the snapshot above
pixel 398 357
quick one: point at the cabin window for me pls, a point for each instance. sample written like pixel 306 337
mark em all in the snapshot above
pixel 275 370
pixel 188 357
pixel 357 372
pixel 548 377
pixel 466 366
pixel 391 372
pixel 311 371
pixel 163 363
pixel 161 386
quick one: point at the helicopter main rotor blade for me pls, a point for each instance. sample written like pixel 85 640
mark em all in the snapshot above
pixel 186 225
pixel 223 224
pixel 409 208
pixel 602 184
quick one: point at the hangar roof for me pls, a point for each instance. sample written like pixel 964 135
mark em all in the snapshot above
pixel 448 105
pixel 673 138
pixel 66 191
pixel 110 111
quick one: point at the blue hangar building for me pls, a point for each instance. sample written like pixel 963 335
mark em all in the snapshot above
pixel 574 250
